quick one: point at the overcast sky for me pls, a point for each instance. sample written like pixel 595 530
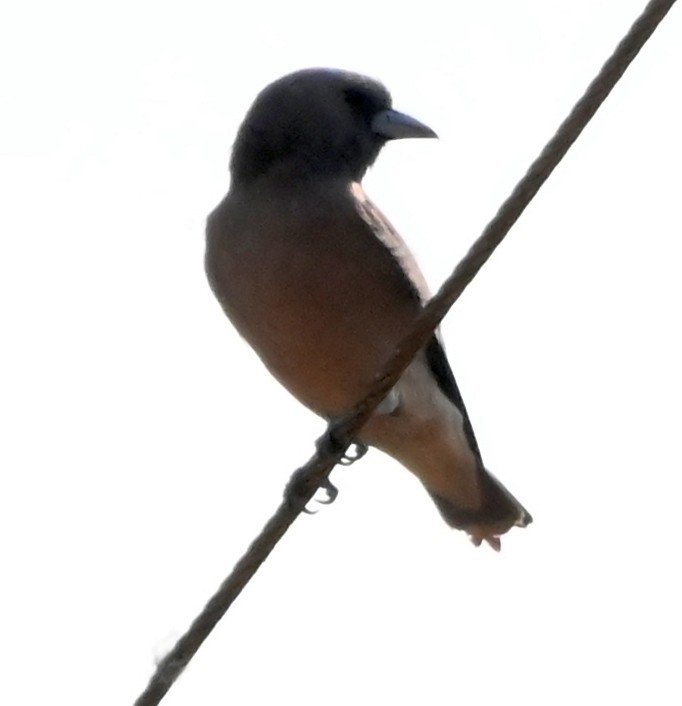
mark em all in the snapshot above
pixel 144 444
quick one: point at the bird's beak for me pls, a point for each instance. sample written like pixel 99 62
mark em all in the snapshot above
pixel 395 126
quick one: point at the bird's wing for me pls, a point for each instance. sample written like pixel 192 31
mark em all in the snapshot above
pixel 389 236
pixel 435 354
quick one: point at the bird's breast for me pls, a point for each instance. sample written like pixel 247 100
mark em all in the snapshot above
pixel 320 299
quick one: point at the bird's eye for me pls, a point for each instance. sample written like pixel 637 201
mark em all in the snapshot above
pixel 360 101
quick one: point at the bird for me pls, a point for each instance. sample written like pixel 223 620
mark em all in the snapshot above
pixel 320 284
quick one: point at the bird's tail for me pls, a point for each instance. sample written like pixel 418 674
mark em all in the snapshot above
pixel 499 512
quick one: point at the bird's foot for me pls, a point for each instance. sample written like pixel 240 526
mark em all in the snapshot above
pixel 299 487
pixel 330 489
pixel 331 443
pixel 298 490
pixel 359 449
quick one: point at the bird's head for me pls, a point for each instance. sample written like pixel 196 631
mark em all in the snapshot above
pixel 319 122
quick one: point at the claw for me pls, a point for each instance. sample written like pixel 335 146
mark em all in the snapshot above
pixel 297 486
pixel 331 490
pixel 350 457
pixel 296 491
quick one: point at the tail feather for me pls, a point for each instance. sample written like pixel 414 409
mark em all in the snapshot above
pixel 498 513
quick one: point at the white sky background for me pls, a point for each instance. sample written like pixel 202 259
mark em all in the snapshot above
pixel 144 444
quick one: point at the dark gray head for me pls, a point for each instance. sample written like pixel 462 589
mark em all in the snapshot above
pixel 319 122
